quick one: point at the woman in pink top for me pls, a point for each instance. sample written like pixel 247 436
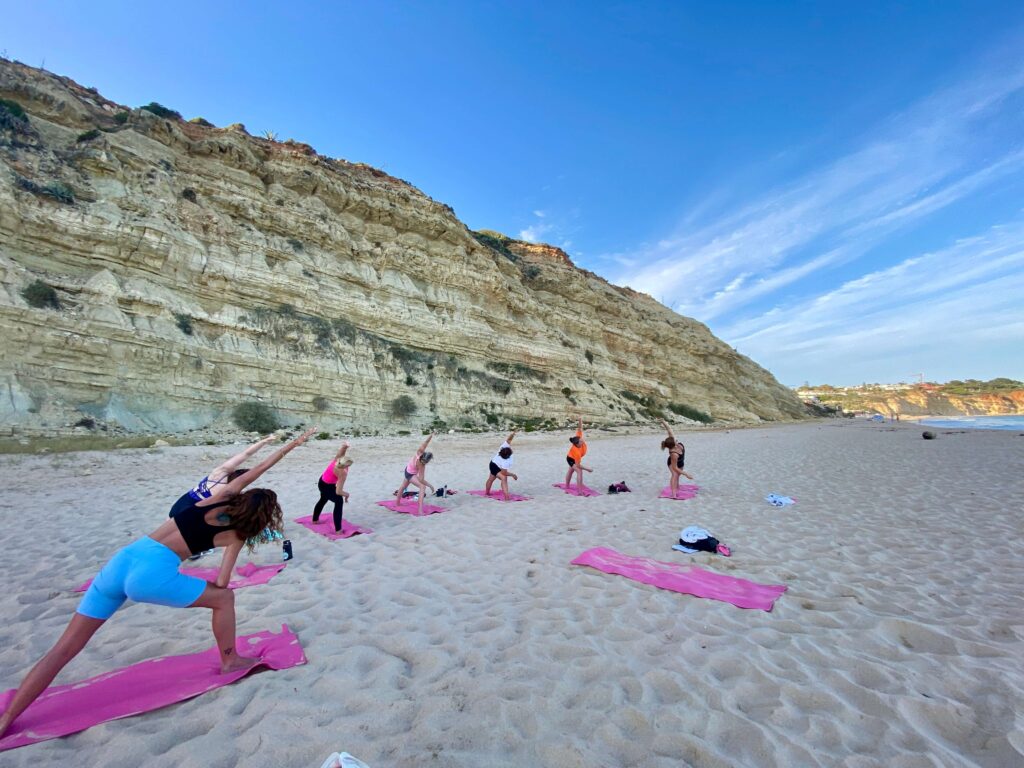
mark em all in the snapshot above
pixel 332 486
pixel 415 473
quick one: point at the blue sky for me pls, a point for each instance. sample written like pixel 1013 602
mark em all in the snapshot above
pixel 834 188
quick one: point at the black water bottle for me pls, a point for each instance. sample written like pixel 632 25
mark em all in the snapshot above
pixel 286 550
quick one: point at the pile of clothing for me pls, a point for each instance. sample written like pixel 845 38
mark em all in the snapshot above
pixel 693 539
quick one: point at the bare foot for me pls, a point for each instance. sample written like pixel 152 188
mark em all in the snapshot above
pixel 587 469
pixel 237 664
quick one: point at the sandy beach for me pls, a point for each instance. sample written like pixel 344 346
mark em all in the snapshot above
pixel 466 639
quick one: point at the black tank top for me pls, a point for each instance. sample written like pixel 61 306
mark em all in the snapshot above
pixel 197 533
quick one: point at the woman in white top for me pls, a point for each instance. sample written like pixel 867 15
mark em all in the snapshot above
pixel 500 466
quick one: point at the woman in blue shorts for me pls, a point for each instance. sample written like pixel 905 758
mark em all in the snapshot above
pixel 147 571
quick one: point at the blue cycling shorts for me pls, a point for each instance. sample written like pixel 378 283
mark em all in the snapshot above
pixel 145 571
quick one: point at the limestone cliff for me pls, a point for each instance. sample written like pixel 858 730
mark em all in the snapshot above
pixel 193 268
pixel 919 402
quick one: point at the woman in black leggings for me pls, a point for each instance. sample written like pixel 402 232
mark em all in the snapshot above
pixel 332 486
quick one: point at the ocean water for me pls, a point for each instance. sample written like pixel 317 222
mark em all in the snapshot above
pixel 978 422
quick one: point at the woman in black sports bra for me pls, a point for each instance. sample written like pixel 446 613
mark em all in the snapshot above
pixel 676 458
pixel 147 571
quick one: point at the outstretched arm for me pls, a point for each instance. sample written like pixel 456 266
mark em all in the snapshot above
pixel 667 428
pixel 342 451
pixel 579 423
pixel 238 484
pixel 227 563
pixel 237 460
pixel 426 442
pixel 509 438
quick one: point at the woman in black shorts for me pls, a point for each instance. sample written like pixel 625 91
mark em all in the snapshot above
pixel 500 467
pixel 676 458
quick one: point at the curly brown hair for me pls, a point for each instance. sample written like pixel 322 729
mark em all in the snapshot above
pixel 252 511
pixel 668 442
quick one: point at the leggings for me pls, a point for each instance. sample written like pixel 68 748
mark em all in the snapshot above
pixel 328 493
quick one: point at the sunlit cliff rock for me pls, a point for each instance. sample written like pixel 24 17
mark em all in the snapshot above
pixel 193 268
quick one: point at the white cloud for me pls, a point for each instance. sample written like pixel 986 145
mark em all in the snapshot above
pixel 535 232
pixel 763 273
pixel 927 158
pixel 948 303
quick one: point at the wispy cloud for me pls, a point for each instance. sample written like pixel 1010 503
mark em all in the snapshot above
pixel 552 229
pixel 942 302
pixel 764 274
pixel 534 233
pixel 923 160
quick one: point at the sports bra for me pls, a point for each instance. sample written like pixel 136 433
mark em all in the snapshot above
pixel 204 489
pixel 197 533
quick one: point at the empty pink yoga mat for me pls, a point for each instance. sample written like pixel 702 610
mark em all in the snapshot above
pixel 251 575
pixel 325 527
pixel 687 579
pixel 409 507
pixel 683 492
pixel 498 495
pixel 142 687
pixel 572 490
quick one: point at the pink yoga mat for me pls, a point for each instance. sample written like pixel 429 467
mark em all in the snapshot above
pixel 683 492
pixel 142 687
pixel 687 579
pixel 251 575
pixel 325 527
pixel 498 495
pixel 409 507
pixel 572 490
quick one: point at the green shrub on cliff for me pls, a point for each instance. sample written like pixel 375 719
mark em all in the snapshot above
pixel 496 242
pixel 690 413
pixel 40 295
pixel 161 111
pixel 255 417
pixel 12 108
pixel 402 407
pixel 59 191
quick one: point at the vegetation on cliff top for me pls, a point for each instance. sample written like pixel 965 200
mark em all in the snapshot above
pixel 953 387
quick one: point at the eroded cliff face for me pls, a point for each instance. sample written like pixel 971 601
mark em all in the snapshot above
pixel 915 402
pixel 198 267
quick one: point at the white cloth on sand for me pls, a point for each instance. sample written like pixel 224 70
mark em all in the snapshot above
pixel 777 500
pixel 691 534
pixel 343 760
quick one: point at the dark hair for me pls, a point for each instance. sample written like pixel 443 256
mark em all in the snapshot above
pixel 668 442
pixel 505 452
pixel 426 456
pixel 235 473
pixel 252 511
pixel 575 440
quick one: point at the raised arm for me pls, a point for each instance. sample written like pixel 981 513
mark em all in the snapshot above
pixel 667 428
pixel 579 423
pixel 227 563
pixel 342 451
pixel 238 484
pixel 509 438
pixel 238 459
pixel 426 443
